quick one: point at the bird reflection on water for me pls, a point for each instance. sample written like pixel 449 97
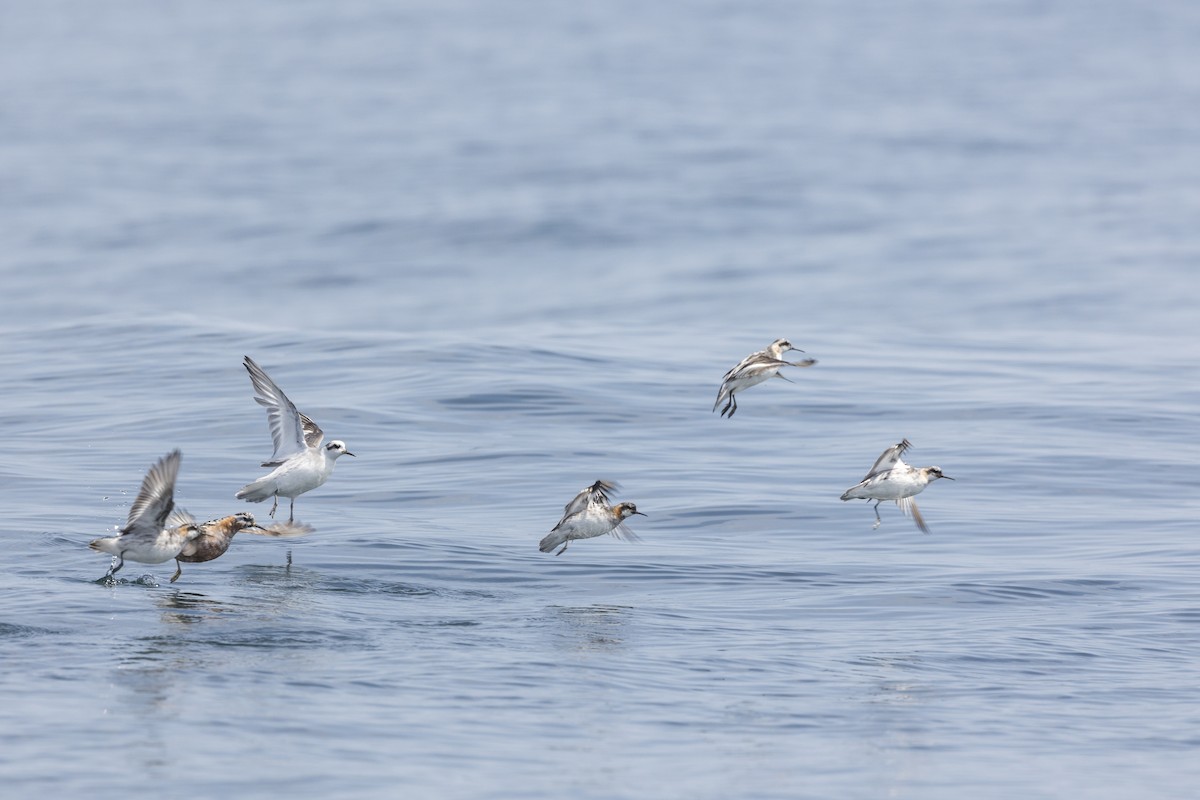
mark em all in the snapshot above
pixel 597 627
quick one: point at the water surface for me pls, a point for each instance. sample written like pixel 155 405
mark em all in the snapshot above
pixel 502 251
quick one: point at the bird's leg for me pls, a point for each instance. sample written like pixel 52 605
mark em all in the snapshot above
pixel 292 511
pixel 564 548
pixel 878 519
pixel 112 570
pixel 733 404
pixel 178 571
pixel 274 506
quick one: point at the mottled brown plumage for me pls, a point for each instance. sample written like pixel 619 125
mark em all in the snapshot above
pixel 216 535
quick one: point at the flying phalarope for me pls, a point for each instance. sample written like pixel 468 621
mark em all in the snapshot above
pixel 892 479
pixel 753 370
pixel 213 538
pixel 588 515
pixel 145 537
pixel 301 462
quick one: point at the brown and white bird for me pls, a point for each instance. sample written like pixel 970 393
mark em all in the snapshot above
pixel 214 537
pixel 589 515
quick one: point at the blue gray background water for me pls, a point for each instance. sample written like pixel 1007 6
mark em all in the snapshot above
pixel 503 250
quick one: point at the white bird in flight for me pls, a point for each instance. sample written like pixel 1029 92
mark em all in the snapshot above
pixel 301 462
pixel 891 479
pixel 753 370
pixel 146 537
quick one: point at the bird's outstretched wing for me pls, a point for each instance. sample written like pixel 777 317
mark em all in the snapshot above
pixel 291 431
pixel 178 518
pixel 623 533
pixel 889 458
pixel 745 362
pixel 596 493
pixel 154 501
pixel 909 507
pixel 590 494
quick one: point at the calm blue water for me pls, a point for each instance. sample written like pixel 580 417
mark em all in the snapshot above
pixel 503 250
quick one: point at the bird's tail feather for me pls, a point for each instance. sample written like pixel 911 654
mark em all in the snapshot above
pixel 105 545
pixel 552 540
pixel 255 492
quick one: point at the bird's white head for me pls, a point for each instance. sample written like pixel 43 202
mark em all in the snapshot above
pixel 626 510
pixel 781 346
pixel 933 473
pixel 335 449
